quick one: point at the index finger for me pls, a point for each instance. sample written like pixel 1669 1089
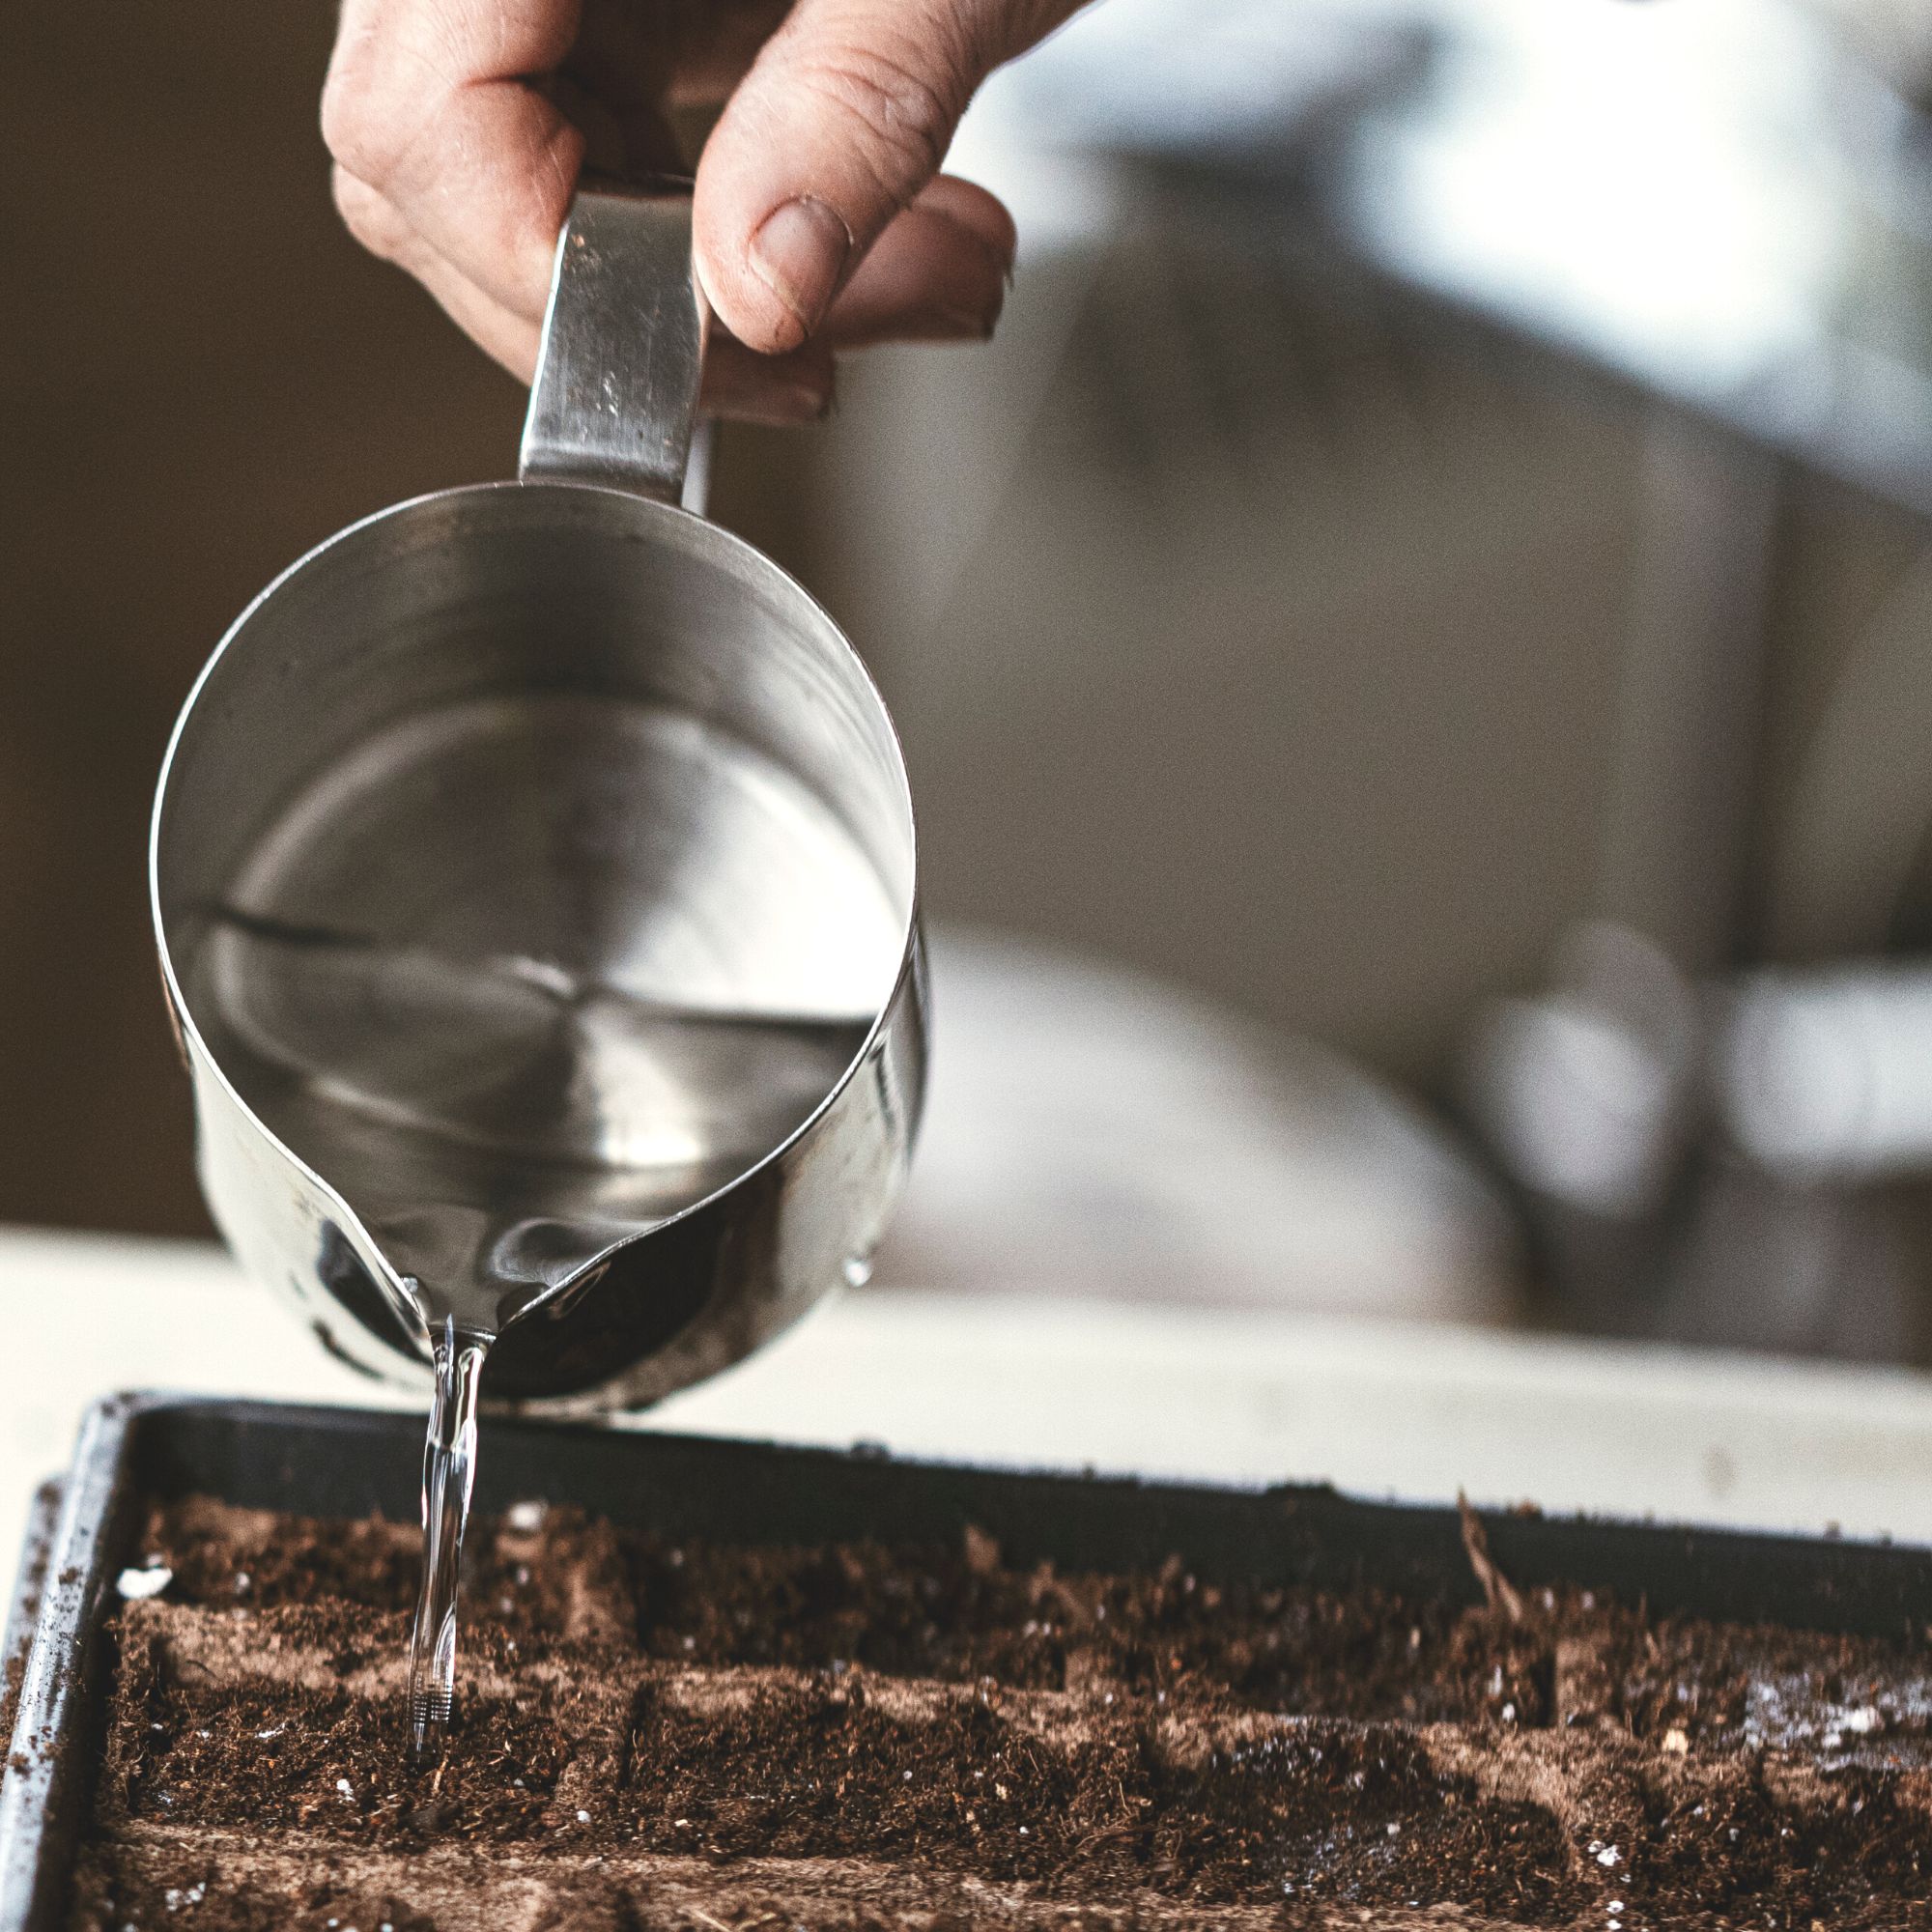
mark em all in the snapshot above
pixel 429 103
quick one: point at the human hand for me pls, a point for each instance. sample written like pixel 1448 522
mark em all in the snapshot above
pixel 820 223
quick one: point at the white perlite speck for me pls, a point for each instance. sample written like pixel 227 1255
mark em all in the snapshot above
pixel 136 1586
pixel 1608 1857
pixel 525 1517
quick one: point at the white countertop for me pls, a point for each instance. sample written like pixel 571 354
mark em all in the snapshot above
pixel 1378 1408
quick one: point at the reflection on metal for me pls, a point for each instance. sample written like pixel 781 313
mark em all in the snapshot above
pixel 622 359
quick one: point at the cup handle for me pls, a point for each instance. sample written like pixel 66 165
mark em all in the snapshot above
pixel 622 355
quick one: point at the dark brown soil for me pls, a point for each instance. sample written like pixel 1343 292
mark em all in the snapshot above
pixel 860 1736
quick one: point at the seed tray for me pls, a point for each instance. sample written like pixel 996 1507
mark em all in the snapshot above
pixel 137 1450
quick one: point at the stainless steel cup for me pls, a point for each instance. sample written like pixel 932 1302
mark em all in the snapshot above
pixel 533 874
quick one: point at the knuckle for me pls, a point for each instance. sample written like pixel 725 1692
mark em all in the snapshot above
pixel 378 98
pixel 351 125
pixel 904 116
pixel 367 215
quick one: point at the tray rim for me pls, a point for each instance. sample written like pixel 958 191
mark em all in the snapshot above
pixel 36 1546
pixel 38 1783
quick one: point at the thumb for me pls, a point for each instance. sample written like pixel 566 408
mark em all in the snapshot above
pixel 845 116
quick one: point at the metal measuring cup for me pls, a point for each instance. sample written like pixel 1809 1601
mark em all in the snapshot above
pixel 546 844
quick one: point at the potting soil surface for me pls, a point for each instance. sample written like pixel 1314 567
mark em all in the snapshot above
pixel 689 1736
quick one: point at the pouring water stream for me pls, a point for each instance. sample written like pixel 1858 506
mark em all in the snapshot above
pixel 491 1121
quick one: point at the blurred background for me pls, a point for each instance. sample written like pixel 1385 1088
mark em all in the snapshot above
pixel 1414 647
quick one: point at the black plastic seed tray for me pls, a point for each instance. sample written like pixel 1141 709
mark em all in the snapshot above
pixel 136 1449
